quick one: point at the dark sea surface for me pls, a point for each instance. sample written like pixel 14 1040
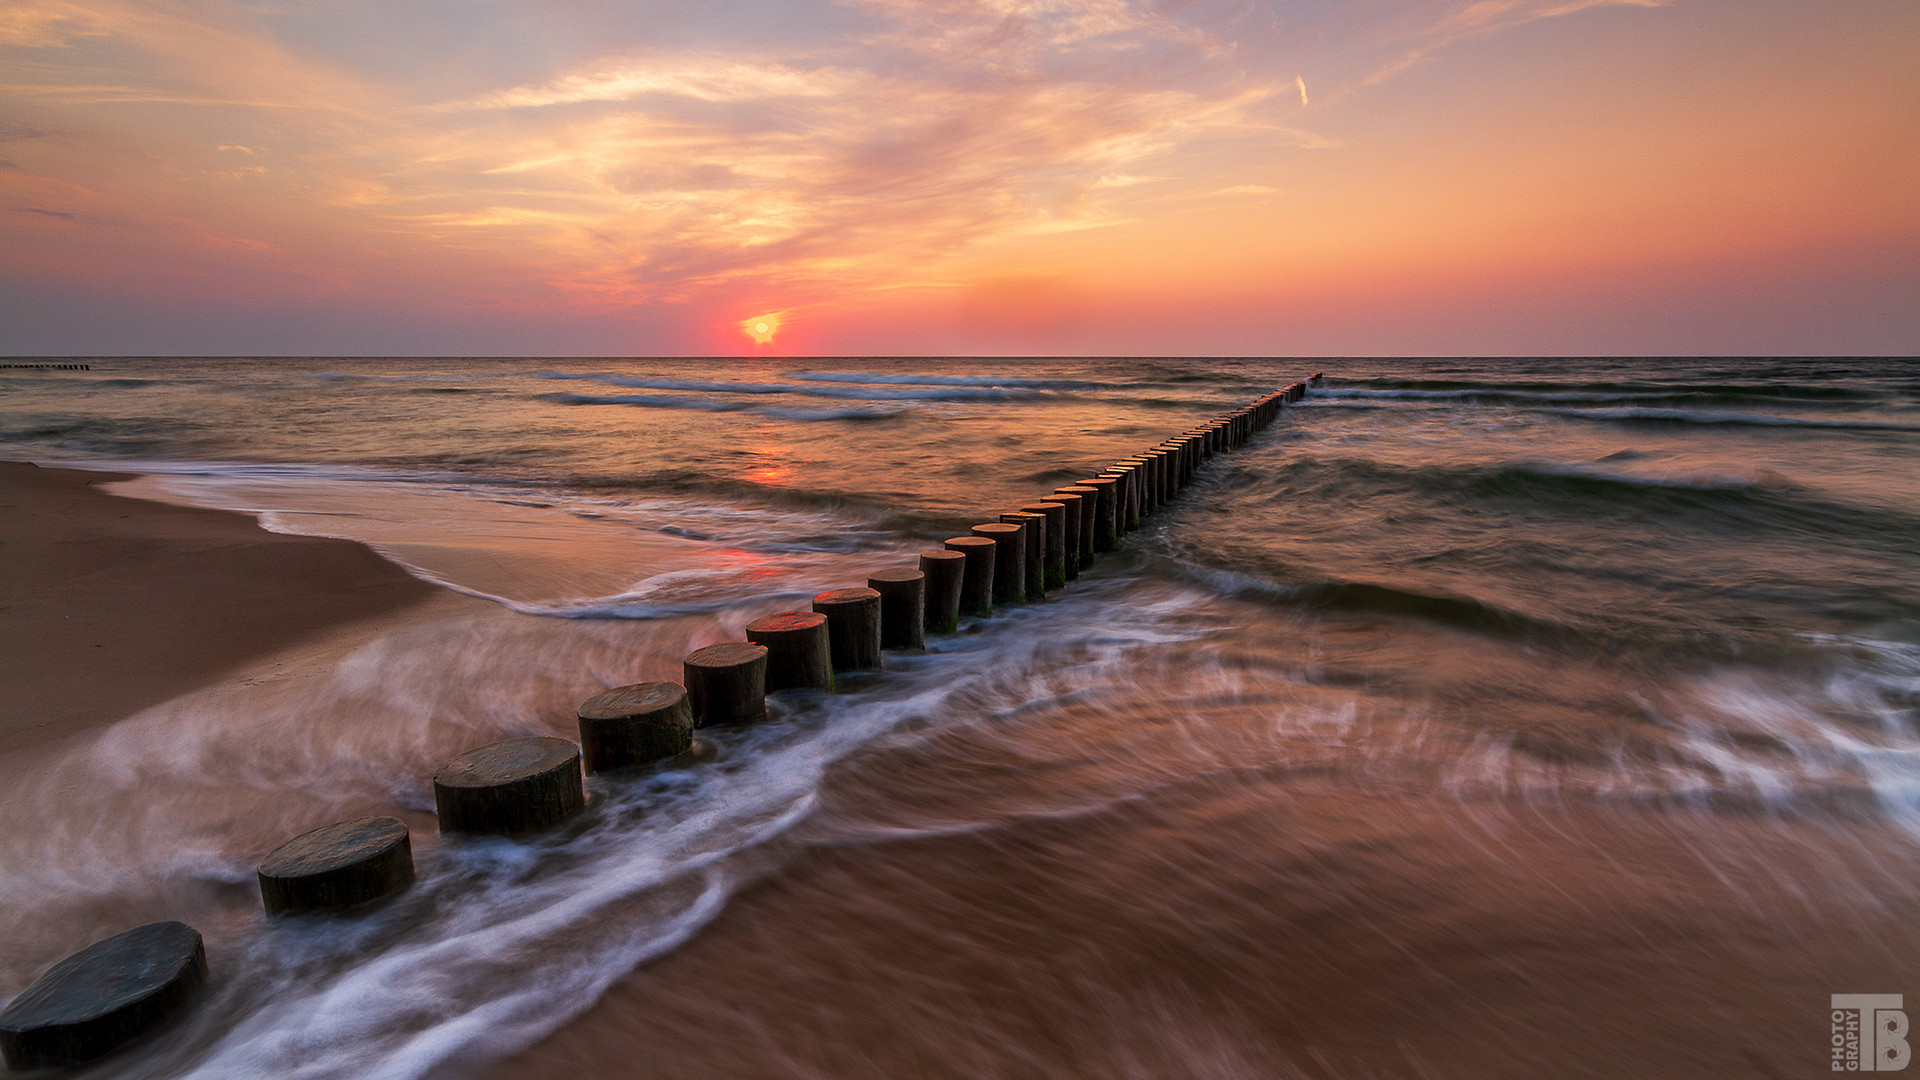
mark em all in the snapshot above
pixel 1503 717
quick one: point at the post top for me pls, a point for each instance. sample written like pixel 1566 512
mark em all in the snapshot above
pixel 639 699
pixel 506 761
pixel 331 847
pixel 726 654
pixel 781 622
pixel 106 976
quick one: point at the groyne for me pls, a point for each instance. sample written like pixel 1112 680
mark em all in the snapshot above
pixel 1014 556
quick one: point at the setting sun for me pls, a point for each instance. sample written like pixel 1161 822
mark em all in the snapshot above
pixel 761 328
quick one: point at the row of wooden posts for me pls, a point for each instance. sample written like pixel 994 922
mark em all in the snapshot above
pixel 116 990
pixel 45 367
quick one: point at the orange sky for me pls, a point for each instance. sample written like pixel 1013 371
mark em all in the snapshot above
pixel 885 176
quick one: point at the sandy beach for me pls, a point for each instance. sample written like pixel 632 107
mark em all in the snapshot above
pixel 113 604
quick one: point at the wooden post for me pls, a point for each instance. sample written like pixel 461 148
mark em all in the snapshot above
pixel 945 571
pixel 1063 534
pixel 1070 529
pixel 903 608
pixel 635 725
pixel 1009 561
pixel 976 582
pixel 727 683
pixel 1149 483
pixel 1106 521
pixel 799 656
pixel 511 786
pixel 1089 501
pixel 1126 495
pixel 1033 542
pixel 337 866
pixel 104 997
pixel 853 626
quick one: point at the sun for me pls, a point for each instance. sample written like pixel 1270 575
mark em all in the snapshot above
pixel 761 328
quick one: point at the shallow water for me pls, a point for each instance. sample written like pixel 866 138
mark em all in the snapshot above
pixel 1473 699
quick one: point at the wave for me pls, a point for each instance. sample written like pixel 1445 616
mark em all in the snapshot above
pixel 1601 389
pixel 942 380
pixel 1687 416
pixel 1758 504
pixel 657 401
pixel 864 393
pixel 1463 613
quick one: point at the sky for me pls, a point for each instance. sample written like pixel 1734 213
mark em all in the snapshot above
pixel 937 177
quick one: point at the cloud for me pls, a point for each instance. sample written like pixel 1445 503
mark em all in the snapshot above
pixel 63 215
pixel 709 78
pixel 892 152
pixel 46 24
pixel 1458 22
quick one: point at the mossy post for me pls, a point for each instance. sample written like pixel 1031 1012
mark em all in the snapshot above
pixel 1056 539
pixel 337 866
pixel 104 997
pixel 727 683
pixel 945 572
pixel 1106 524
pixel 511 786
pixel 1070 509
pixel 1126 505
pixel 799 656
pixel 903 608
pixel 1143 470
pixel 1009 561
pixel 635 725
pixel 976 581
pixel 1033 543
pixel 853 627
pixel 1056 553
pixel 1089 518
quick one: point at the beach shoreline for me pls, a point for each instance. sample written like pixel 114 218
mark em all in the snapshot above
pixel 114 604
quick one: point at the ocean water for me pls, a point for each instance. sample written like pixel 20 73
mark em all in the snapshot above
pixel 1480 717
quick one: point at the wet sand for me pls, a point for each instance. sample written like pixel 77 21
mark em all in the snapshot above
pixel 109 604
pixel 1272 926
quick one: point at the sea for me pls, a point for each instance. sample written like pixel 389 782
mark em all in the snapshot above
pixel 1479 717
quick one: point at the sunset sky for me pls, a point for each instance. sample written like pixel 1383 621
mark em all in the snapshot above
pixel 1299 177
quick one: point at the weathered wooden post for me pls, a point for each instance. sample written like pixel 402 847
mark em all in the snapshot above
pixel 727 683
pixel 1089 519
pixel 511 786
pixel 1106 523
pixel 1126 498
pixel 635 725
pixel 1009 561
pixel 337 866
pixel 799 655
pixel 1070 531
pixel 945 571
pixel 853 626
pixel 104 997
pixel 1056 561
pixel 976 582
pixel 1033 542
pixel 903 608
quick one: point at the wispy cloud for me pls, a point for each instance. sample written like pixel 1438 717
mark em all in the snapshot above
pixel 1458 22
